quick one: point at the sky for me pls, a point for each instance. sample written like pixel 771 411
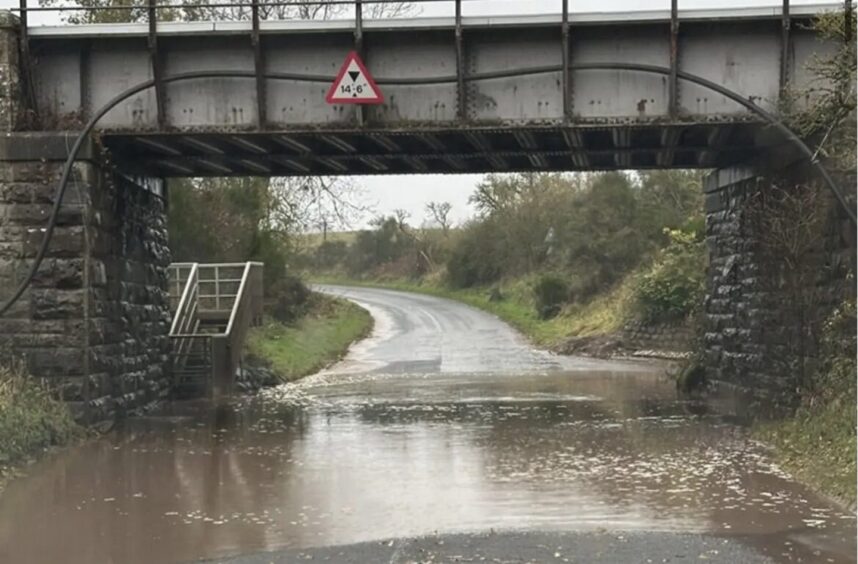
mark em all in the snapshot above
pixel 412 192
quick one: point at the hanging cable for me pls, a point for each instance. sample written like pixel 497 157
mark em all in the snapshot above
pixel 471 77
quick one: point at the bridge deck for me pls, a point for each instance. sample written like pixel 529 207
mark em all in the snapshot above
pixel 498 100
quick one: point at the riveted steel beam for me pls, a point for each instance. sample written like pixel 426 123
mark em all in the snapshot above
pixel 155 61
pixel 247 144
pixel 669 138
pixel 217 167
pixel 360 117
pixel 292 143
pixel 673 91
pixel 385 142
pixel 567 75
pixel 785 34
pixel 338 143
pixel 575 141
pixel 461 93
pixel 258 66
pixel 255 166
pixel 201 145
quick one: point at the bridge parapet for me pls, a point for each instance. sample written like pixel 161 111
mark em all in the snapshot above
pixel 462 94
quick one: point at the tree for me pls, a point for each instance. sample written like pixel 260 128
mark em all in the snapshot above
pixel 440 213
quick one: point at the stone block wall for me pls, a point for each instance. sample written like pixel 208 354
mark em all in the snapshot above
pixel 751 338
pixel 654 338
pixel 95 321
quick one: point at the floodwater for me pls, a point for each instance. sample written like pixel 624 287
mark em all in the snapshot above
pixel 444 421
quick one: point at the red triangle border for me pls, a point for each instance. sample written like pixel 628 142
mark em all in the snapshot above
pixel 331 96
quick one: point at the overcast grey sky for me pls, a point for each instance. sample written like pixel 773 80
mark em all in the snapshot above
pixel 387 193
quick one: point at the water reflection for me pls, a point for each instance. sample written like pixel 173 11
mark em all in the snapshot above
pixel 339 459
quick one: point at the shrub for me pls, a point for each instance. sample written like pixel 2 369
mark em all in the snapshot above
pixel 550 292
pixel 30 418
pixel 287 299
pixel 473 260
pixel 674 285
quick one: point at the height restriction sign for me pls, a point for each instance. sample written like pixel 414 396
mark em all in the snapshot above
pixel 354 84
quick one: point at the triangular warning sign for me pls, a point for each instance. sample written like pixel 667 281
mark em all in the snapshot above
pixel 354 84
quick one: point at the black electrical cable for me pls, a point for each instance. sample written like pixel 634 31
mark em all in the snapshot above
pixel 511 73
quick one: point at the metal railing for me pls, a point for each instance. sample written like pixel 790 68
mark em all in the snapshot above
pixel 227 294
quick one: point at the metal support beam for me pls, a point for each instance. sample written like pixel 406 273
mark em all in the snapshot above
pixel 567 94
pixel 155 59
pixel 622 138
pixel 259 67
pixel 669 139
pixel 575 141
pixel 385 142
pixel 359 112
pixel 84 89
pixel 25 64
pixel 338 143
pixel 417 164
pixel 292 143
pixel 673 101
pixel 461 94
pixel 716 139
pixel 785 32
pixel 480 143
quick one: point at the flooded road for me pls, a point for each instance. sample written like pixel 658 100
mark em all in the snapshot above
pixel 443 437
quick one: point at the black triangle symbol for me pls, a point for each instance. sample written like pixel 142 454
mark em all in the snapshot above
pixel 354 75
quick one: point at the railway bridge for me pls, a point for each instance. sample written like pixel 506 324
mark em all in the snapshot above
pixel 563 91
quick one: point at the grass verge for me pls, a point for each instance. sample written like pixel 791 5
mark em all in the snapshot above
pixel 603 314
pixel 319 338
pixel 31 420
pixel 817 447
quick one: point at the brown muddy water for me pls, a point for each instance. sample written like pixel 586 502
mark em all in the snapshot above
pixel 346 457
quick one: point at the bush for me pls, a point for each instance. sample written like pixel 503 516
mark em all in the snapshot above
pixel 550 292
pixel 288 299
pixel 472 259
pixel 674 285
pixel 30 419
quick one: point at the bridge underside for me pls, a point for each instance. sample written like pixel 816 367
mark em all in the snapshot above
pixel 435 150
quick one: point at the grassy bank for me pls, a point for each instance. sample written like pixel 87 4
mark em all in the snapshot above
pixel 817 443
pixel 30 419
pixel 817 446
pixel 316 340
pixel 603 314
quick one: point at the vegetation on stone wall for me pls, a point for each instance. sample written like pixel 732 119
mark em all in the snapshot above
pixel 319 337
pixel 31 419
pixel 810 248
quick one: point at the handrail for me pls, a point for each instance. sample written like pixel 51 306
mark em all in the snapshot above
pixel 191 287
pixel 223 349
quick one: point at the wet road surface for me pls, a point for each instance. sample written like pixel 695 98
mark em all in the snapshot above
pixel 442 438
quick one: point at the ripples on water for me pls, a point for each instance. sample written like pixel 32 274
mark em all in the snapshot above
pixel 340 458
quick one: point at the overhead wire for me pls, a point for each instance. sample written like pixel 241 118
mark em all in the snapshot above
pixel 493 75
